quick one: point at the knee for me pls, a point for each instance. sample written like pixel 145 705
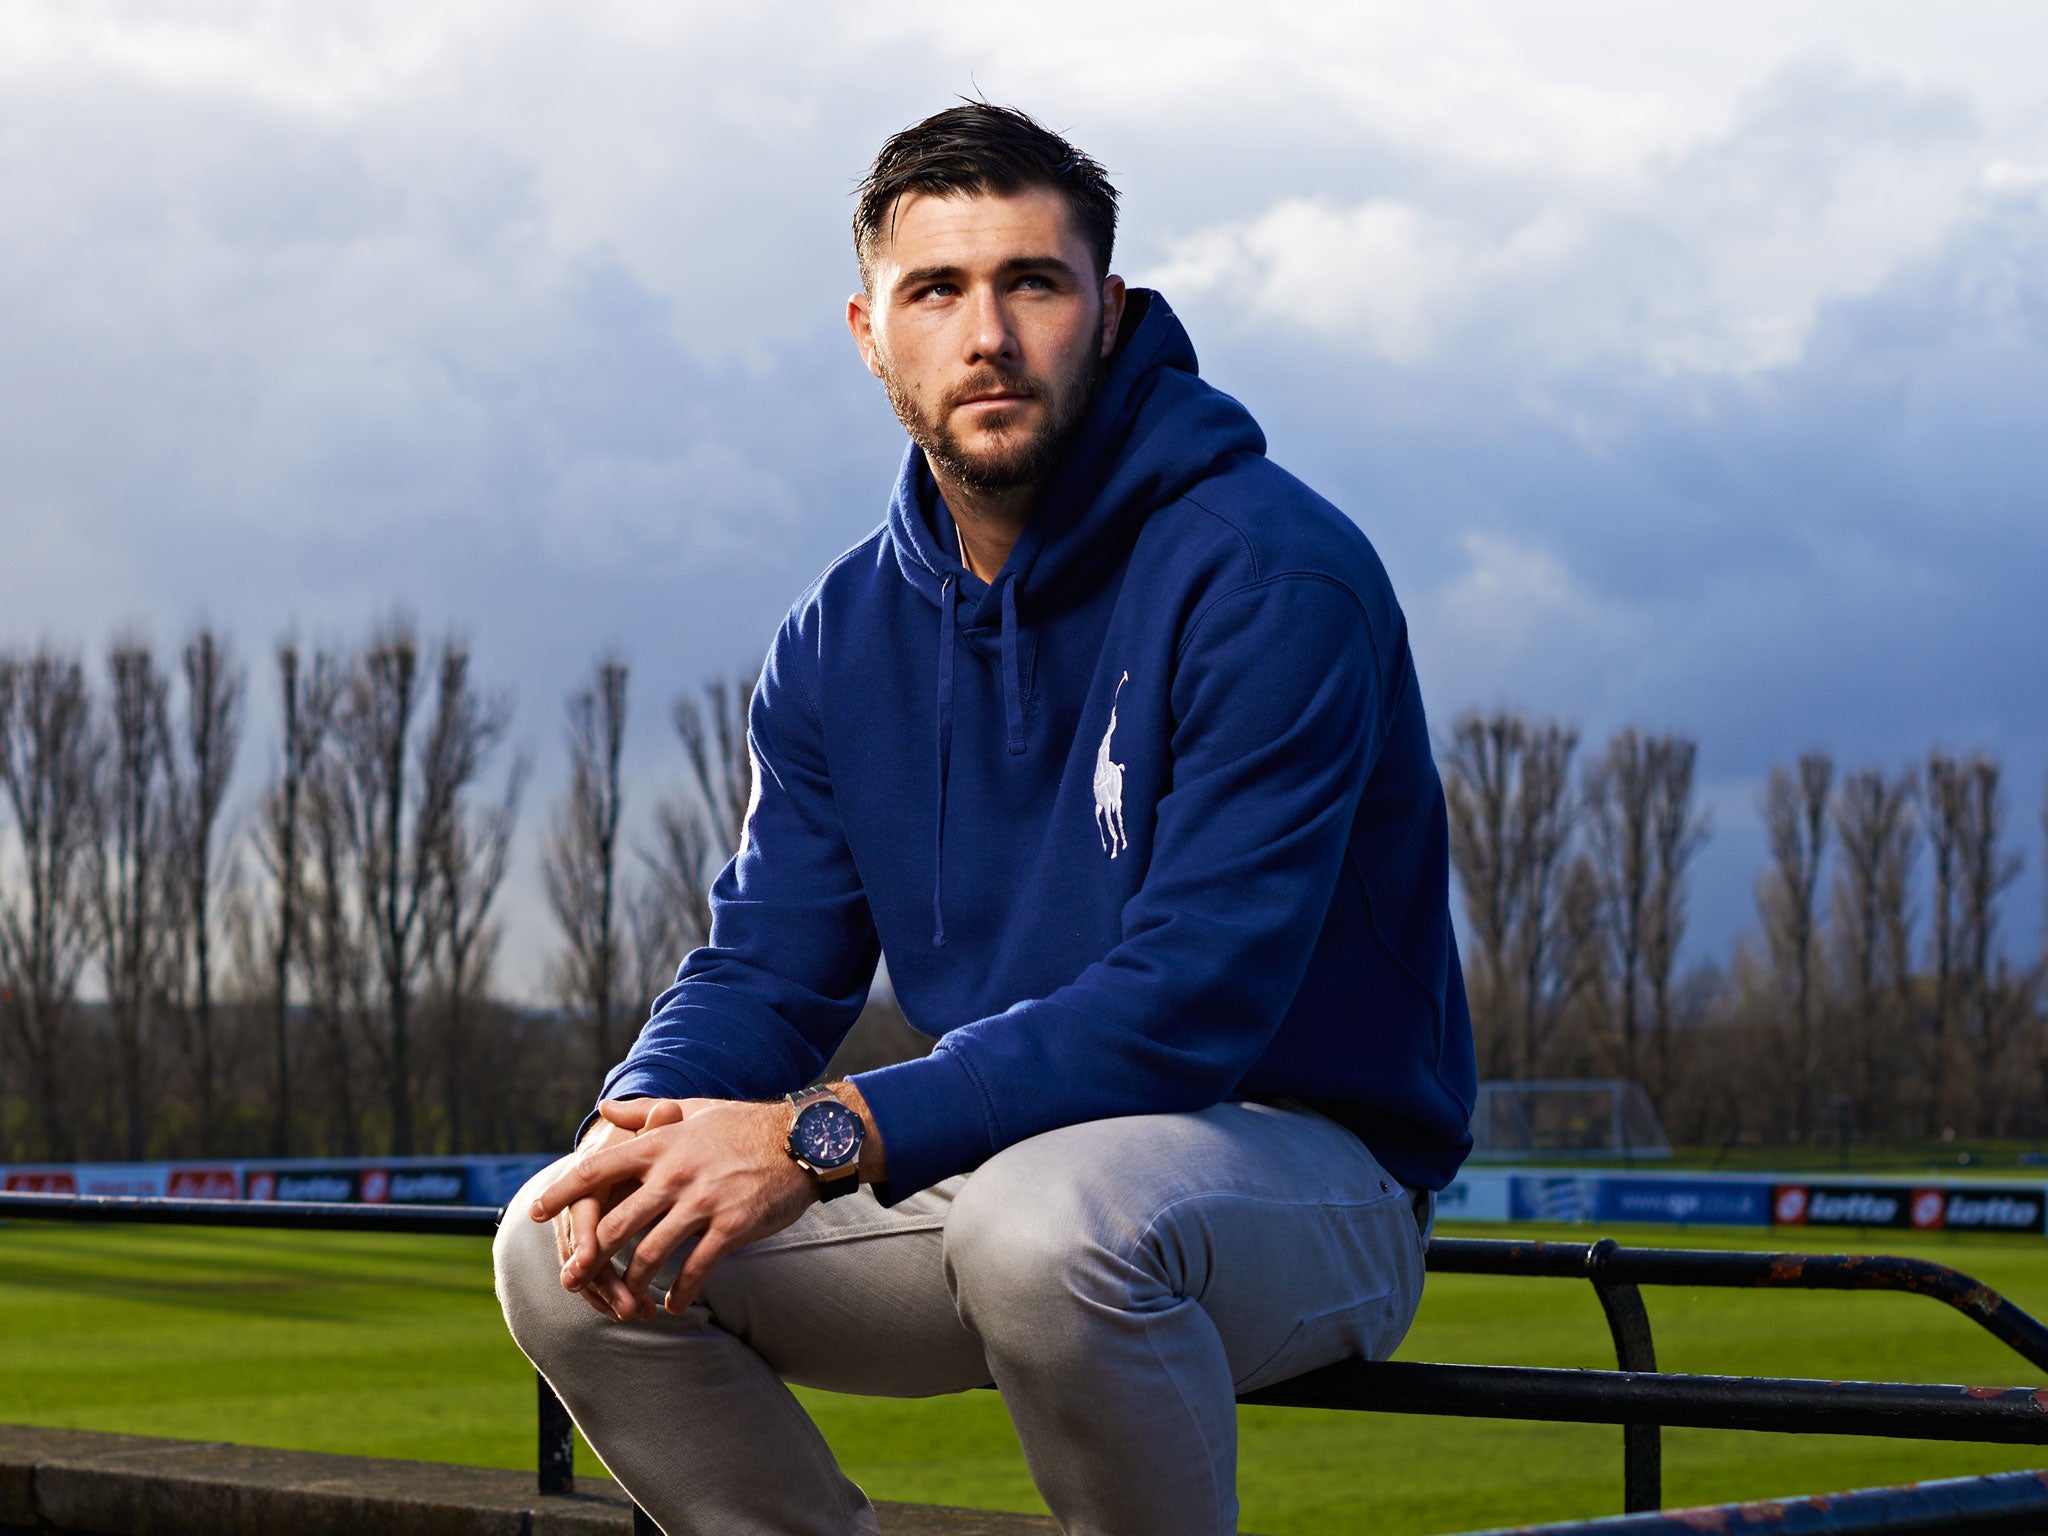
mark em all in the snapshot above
pixel 1023 1251
pixel 528 1274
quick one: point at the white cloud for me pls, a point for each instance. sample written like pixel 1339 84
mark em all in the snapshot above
pixel 2014 176
pixel 1716 259
pixel 1384 276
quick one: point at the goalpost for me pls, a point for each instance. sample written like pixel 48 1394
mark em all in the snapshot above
pixel 1578 1118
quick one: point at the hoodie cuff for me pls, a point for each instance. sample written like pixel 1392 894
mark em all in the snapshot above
pixel 932 1119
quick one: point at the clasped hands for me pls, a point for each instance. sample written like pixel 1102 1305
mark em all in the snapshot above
pixel 669 1171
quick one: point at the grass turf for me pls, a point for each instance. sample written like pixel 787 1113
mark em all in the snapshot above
pixel 392 1346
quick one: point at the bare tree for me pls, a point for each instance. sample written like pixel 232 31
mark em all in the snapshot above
pixel 1948 815
pixel 404 794
pixel 1795 810
pixel 49 761
pixel 581 870
pixel 1546 944
pixel 332 950
pixel 212 735
pixel 1481 766
pixel 698 830
pixel 470 860
pixel 1994 1001
pixel 376 729
pixel 307 696
pixel 1621 805
pixel 1677 833
pixel 1873 817
pixel 1895 887
pixel 135 860
pixel 714 737
pixel 656 947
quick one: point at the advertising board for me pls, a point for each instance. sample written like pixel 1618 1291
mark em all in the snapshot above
pixel 218 1182
pixel 1683 1202
pixel 1968 1208
pixel 415 1186
pixel 331 1186
pixel 40 1181
pixel 495 1180
pixel 1476 1194
pixel 1553 1197
pixel 399 1181
pixel 1842 1205
pixel 1928 1208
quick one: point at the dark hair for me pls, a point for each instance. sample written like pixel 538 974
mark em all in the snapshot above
pixel 978 147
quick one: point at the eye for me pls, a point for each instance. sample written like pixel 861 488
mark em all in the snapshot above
pixel 1035 280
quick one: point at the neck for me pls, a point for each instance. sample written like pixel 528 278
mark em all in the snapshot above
pixel 988 522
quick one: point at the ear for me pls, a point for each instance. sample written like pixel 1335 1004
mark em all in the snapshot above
pixel 1112 312
pixel 860 322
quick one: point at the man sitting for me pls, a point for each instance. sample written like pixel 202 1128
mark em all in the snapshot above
pixel 1111 740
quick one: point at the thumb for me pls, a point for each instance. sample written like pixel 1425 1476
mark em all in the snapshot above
pixel 629 1114
pixel 661 1112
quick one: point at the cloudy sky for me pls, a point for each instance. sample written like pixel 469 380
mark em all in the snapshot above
pixel 1688 364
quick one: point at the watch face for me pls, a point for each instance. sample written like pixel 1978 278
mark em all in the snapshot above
pixel 827 1134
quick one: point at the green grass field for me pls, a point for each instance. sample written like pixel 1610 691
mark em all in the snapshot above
pixel 393 1347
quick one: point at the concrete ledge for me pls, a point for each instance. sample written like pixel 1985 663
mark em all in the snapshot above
pixel 79 1483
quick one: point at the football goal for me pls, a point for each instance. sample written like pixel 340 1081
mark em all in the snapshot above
pixel 1590 1118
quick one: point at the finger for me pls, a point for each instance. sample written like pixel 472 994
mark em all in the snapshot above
pixel 592 1172
pixel 592 1273
pixel 715 1243
pixel 634 1214
pixel 609 1285
pixel 575 1237
pixel 660 1242
pixel 607 1295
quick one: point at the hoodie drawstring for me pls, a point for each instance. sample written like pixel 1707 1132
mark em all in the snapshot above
pixel 1013 688
pixel 1013 721
pixel 945 702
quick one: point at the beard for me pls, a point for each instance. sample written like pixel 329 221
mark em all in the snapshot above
pixel 1002 456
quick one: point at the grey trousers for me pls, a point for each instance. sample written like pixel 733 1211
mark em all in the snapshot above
pixel 1119 1281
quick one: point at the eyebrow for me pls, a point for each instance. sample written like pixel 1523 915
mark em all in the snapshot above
pixel 917 277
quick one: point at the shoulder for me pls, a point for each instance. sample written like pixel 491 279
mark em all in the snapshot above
pixel 796 658
pixel 1252 530
pixel 849 583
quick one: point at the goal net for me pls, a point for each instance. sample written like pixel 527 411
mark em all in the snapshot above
pixel 1589 1118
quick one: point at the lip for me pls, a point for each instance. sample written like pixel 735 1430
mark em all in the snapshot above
pixel 991 402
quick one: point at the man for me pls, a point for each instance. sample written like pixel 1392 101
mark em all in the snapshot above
pixel 1109 737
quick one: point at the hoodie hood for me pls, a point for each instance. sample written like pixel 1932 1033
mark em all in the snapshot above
pixel 1154 430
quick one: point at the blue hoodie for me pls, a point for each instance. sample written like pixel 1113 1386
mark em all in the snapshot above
pixel 1149 821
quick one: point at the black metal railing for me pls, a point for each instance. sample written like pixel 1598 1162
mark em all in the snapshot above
pixel 1637 1396
pixel 1644 1401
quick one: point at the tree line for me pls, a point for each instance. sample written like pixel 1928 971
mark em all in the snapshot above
pixel 311 969
pixel 1875 1001
pixel 308 965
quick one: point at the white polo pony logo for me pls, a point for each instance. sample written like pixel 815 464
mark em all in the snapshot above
pixel 1109 785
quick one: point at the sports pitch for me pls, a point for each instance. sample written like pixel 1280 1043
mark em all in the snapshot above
pixel 392 1346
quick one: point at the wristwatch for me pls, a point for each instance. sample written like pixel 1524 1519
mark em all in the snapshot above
pixel 825 1139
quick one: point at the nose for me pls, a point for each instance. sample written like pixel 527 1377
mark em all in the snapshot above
pixel 991 338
